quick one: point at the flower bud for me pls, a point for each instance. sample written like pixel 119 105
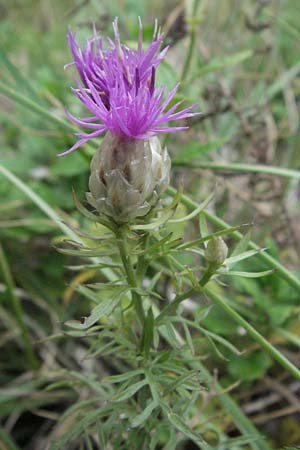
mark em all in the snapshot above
pixel 216 251
pixel 127 176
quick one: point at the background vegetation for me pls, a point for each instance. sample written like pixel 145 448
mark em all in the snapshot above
pixel 240 61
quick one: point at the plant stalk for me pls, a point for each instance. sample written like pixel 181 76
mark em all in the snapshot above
pixel 188 60
pixel 130 274
pixel 240 167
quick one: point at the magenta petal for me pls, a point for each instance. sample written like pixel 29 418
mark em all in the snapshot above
pixel 75 146
pixel 91 135
pixel 118 88
pixel 83 123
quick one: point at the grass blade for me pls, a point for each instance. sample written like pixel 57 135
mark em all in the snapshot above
pixel 240 167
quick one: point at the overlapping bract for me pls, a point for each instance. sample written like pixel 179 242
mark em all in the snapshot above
pixel 128 176
pixel 118 87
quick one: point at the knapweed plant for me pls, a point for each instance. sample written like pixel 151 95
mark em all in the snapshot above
pixel 154 387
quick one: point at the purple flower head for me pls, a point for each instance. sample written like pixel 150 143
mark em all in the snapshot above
pixel 118 87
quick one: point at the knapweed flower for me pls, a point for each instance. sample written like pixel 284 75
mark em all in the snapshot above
pixel 117 85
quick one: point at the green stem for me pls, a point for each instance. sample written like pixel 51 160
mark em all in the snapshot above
pixel 192 42
pixel 130 273
pixel 142 261
pixel 18 310
pixel 279 357
pixel 171 307
pixel 280 269
pixel 239 167
pixel 208 273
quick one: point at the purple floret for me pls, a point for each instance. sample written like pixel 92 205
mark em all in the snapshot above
pixel 118 87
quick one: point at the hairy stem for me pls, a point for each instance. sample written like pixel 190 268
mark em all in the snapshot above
pixel 130 274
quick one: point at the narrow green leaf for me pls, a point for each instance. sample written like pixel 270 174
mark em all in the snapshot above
pixel 169 330
pixel 232 260
pixel 203 225
pixel 103 237
pixel 196 211
pixel 152 385
pixel 129 392
pixel 180 425
pixel 243 244
pixel 122 377
pixel 104 308
pixel 247 274
pixel 81 425
pixel 88 293
pixel 221 340
pixel 180 381
pixel 155 224
pixel 143 416
pixel 176 200
pixel 106 286
pixel 100 265
pixel 79 407
pixel 188 337
pixel 242 440
pixel 101 435
pixel 88 442
pixel 155 246
pixel 89 215
pixel 207 237
pixel 86 253
pixel 147 337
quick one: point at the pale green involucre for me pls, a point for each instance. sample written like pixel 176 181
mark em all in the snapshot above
pixel 216 251
pixel 128 176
